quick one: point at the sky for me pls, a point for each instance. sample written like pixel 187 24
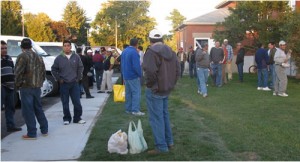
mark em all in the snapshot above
pixel 159 9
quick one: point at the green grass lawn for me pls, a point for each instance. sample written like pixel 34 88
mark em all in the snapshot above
pixel 235 122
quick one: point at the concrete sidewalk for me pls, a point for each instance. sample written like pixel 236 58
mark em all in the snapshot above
pixel 64 142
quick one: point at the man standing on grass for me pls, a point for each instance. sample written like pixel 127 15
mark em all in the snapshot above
pixel 261 59
pixel 240 61
pixel 281 62
pixel 30 75
pixel 132 72
pixel 216 57
pixel 162 71
pixel 271 53
pixel 67 69
pixel 229 58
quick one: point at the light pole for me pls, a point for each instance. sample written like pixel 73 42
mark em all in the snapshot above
pixel 23 23
pixel 116 32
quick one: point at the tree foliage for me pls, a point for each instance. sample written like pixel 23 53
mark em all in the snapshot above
pixel 38 27
pixel 131 20
pixel 11 19
pixel 254 20
pixel 76 21
pixel 176 18
pixel 60 30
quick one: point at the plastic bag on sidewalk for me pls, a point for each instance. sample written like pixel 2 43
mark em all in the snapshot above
pixel 119 93
pixel 136 140
pixel 117 143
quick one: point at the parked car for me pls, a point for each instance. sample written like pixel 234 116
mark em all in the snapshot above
pixel 54 48
pixel 14 49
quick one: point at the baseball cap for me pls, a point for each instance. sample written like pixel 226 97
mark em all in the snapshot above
pixel 282 42
pixel 225 40
pixel 89 50
pixel 155 34
pixel 109 49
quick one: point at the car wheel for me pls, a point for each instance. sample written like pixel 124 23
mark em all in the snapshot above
pixel 53 84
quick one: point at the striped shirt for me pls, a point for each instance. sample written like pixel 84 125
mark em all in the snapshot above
pixel 7 72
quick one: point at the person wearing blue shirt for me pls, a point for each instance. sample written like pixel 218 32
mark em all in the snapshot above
pixel 261 59
pixel 132 72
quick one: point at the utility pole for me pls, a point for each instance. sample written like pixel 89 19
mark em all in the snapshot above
pixel 23 23
pixel 116 30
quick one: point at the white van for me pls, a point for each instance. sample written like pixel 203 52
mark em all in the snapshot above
pixel 54 48
pixel 14 49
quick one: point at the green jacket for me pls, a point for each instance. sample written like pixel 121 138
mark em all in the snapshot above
pixel 29 70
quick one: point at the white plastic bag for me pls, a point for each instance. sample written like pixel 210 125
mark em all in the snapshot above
pixel 117 143
pixel 136 140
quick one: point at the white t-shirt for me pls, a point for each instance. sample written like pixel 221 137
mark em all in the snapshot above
pixel 68 56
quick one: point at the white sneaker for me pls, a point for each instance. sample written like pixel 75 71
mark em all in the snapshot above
pixel 66 122
pixel 283 94
pixel 81 122
pixel 266 89
pixel 274 94
pixel 205 95
pixel 138 113
pixel 259 88
pixel 199 92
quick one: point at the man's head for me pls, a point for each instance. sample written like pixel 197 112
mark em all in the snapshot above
pixel 140 48
pixel 217 44
pixel 89 52
pixel 191 48
pixel 180 49
pixel 26 43
pixel 239 45
pixel 282 45
pixel 260 45
pixel 79 50
pixel 3 48
pixel 67 47
pixel 109 51
pixel 271 44
pixel 225 42
pixel 204 46
pixel 134 42
pixel 155 36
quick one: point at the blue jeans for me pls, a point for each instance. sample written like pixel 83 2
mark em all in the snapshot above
pixel 99 74
pixel 181 68
pixel 7 99
pixel 72 90
pixel 217 74
pixel 192 70
pixel 240 71
pixel 133 95
pixel 159 120
pixel 202 74
pixel 31 109
pixel 272 75
pixel 262 75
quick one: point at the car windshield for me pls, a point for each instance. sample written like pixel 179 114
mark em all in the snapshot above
pixel 14 49
pixel 52 50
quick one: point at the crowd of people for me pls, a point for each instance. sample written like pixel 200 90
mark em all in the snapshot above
pixel 271 64
pixel 158 69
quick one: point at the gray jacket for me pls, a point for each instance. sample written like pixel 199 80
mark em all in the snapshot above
pixel 202 59
pixel 68 70
pixel 216 55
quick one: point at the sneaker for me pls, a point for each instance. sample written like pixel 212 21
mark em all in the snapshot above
pixel 14 129
pixel 90 97
pixel 259 88
pixel 100 92
pixel 274 94
pixel 153 152
pixel 66 122
pixel 45 134
pixel 138 113
pixel 199 92
pixel 26 137
pixel 266 89
pixel 205 95
pixel 283 94
pixel 80 122
pixel 109 92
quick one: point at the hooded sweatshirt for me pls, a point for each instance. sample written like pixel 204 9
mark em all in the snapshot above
pixel 162 69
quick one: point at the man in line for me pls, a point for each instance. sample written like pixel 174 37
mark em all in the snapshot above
pixel 67 69
pixel 202 60
pixel 108 71
pixel 216 58
pixel 132 72
pixel 192 62
pixel 162 71
pixel 240 61
pixel 271 53
pixel 181 55
pixel 141 53
pixel 86 69
pixel 7 88
pixel 30 74
pixel 281 62
pixel 229 59
pixel 98 64
pixel 261 59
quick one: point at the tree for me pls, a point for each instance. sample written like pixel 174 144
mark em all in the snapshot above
pixel 176 18
pixel 131 20
pixel 76 21
pixel 60 30
pixel 11 19
pixel 38 27
pixel 254 21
